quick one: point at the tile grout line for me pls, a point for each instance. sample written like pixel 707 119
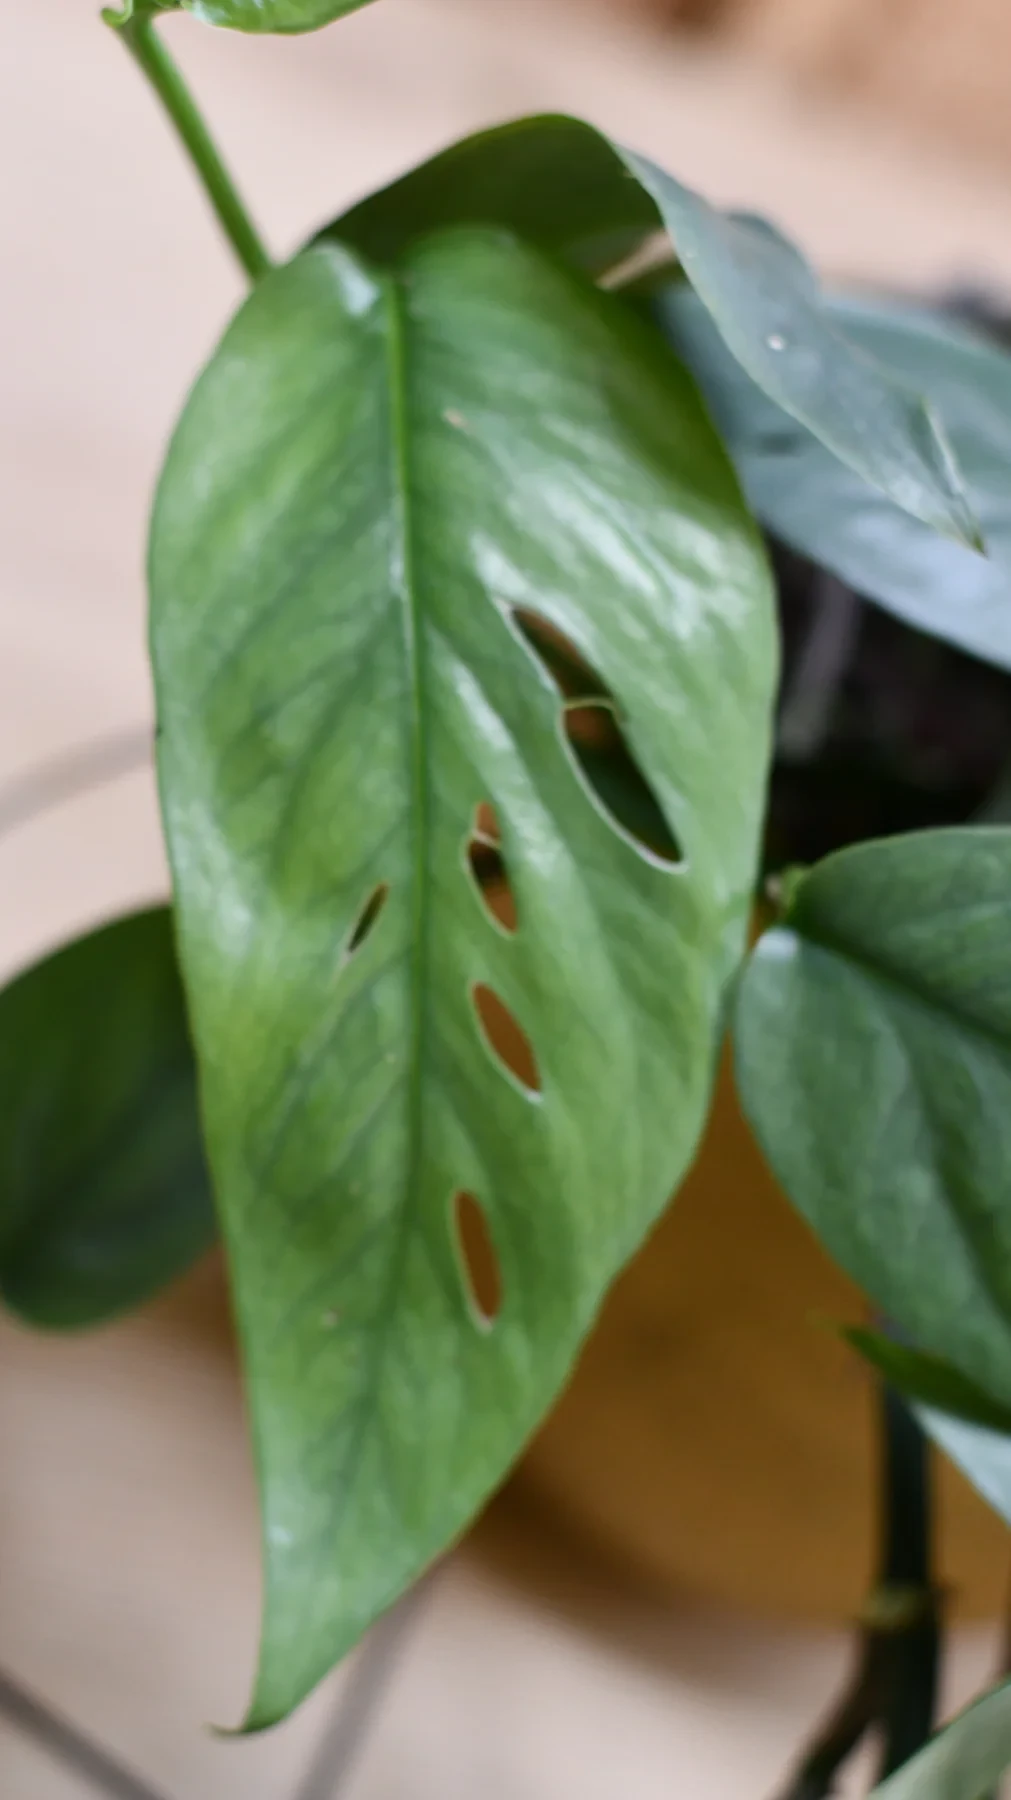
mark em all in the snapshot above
pixel 69 1746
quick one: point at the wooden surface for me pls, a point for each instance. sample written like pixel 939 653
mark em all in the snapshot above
pixel 719 1438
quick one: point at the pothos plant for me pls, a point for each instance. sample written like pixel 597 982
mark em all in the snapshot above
pixel 465 654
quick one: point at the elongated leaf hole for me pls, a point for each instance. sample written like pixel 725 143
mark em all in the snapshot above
pixel 479 1262
pixel 506 1037
pixel 367 918
pixel 596 740
pixel 600 752
pixel 567 666
pixel 487 865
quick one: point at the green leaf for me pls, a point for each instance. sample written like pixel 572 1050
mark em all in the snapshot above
pixel 765 301
pixel 812 502
pixel 104 1194
pixel 972 1428
pixel 983 1455
pixel 552 180
pixel 280 17
pixel 929 1380
pixel 963 1762
pixel 873 1039
pixel 284 17
pixel 381 483
pixel 570 189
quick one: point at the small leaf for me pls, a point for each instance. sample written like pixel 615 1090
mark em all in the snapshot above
pixel 812 502
pixel 929 1380
pixel 104 1195
pixel 873 1036
pixel 965 1761
pixel 283 17
pixel 377 483
pixel 568 188
pixel 972 1428
pixel 983 1455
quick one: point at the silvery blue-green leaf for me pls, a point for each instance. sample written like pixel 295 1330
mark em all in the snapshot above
pixel 813 502
pixel 983 1455
pixel 569 188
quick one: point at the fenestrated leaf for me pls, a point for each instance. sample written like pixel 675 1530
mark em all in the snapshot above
pixel 811 501
pixel 873 1034
pixel 375 473
pixel 570 189
pixel 104 1193
pixel 965 1761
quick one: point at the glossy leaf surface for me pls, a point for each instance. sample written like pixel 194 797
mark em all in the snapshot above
pixel 811 501
pixel 965 1761
pixel 570 189
pixel 375 476
pixel 104 1193
pixel 874 1060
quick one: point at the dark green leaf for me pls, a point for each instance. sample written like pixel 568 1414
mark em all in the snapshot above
pixel 965 1761
pixel 103 1189
pixel 553 180
pixel 811 501
pixel 569 189
pixel 929 1380
pixel 379 482
pixel 874 1061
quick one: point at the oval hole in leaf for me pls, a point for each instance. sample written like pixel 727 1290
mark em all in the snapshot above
pixel 479 1262
pixel 506 1038
pixel 569 670
pixel 367 918
pixel 487 865
pixel 619 786
pixel 593 734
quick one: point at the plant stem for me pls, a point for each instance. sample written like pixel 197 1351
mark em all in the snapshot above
pixel 142 40
pixel 908 1715
pixel 894 1684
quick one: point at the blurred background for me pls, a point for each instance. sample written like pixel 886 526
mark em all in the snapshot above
pixel 659 1601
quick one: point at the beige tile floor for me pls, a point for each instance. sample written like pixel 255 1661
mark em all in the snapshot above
pixel 127 1534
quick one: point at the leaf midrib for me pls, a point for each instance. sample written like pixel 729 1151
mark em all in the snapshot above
pixel 404 584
